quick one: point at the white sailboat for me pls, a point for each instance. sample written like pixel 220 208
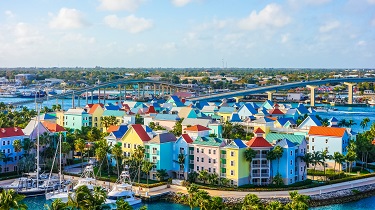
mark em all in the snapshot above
pixel 122 190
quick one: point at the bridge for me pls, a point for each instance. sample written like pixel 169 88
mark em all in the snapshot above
pixel 160 86
pixel 310 84
pixel 164 86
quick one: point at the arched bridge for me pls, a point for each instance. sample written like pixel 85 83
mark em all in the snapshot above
pixel 160 85
pixel 278 87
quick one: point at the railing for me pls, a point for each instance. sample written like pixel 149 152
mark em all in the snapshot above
pixel 191 161
pixel 147 151
pixel 155 152
pixel 223 165
pixel 256 175
pixel 191 152
pixel 255 166
pixel 265 166
pixel 224 156
pixel 264 175
pixel 258 156
pixel 223 175
pixel 155 161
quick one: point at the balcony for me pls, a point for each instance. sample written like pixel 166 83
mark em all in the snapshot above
pixel 223 175
pixel 155 152
pixel 147 151
pixel 153 170
pixel 255 166
pixel 258 156
pixel 265 166
pixel 224 156
pixel 191 161
pixel 264 175
pixel 255 175
pixel 223 165
pixel 155 161
pixel 191 152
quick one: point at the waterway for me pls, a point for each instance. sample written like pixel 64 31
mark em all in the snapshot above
pixel 37 203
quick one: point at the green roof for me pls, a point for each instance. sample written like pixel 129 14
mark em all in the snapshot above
pixel 297 139
pixel 208 141
pixel 115 113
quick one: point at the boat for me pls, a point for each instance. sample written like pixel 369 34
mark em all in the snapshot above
pixel 321 109
pixel 122 190
pixel 332 103
pixel 33 94
pixel 371 102
pixel 9 94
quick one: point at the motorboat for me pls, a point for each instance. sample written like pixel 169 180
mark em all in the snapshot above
pixel 371 102
pixel 122 190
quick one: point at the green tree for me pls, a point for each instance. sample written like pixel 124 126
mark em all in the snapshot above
pixel 203 176
pixel 249 155
pixel 338 158
pixel 275 205
pixel 278 152
pixel 108 121
pixel 299 202
pixel 351 155
pixel 146 168
pixel 251 202
pixel 316 159
pixel 325 156
pixel 9 199
pixel 364 123
pixel 177 128
pixel 161 174
pixel 56 205
pixel 17 145
pixel 123 205
pixel 79 146
pixel 27 145
pixel 117 153
pixel 138 157
pixel 181 162
pixel 192 201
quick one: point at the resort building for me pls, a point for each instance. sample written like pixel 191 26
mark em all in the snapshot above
pixel 10 156
pixel 233 163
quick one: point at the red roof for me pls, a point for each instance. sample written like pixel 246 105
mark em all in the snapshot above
pixel 89 105
pixel 94 107
pixel 125 107
pixel 112 128
pixel 53 127
pixel 197 128
pixel 151 109
pixel 259 130
pixel 275 111
pixel 327 131
pixel 187 138
pixel 141 132
pixel 258 142
pixel 9 132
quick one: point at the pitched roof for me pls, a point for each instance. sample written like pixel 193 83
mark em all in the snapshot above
pixel 163 138
pixel 297 139
pixel 79 111
pixel 250 107
pixel 187 138
pixel 94 107
pixel 302 109
pixel 197 128
pixel 172 117
pixel 226 109
pixel 258 142
pixel 112 128
pixel 138 128
pixel 237 143
pixel 235 117
pixel 10 132
pixel 121 131
pixel 47 116
pixel 53 127
pixel 285 143
pixel 208 141
pixel 192 121
pixel 275 111
pixel 282 121
pixel 259 130
pixel 333 119
pixel 326 131
pixel 116 113
pixel 151 109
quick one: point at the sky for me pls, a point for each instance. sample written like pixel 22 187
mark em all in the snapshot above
pixel 188 33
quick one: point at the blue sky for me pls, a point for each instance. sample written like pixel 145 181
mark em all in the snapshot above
pixel 188 33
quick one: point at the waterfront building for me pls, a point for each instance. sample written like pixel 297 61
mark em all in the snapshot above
pixel 11 157
pixel 159 151
pixel 135 136
pixel 233 163
pixel 260 166
pixel 331 139
pixel 96 112
pixel 205 154
pixel 276 112
pixel 308 122
pixel 77 118
pixel 181 146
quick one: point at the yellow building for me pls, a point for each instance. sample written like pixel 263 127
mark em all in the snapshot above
pixel 233 163
pixel 225 113
pixel 96 112
pixel 134 137
pixel 60 118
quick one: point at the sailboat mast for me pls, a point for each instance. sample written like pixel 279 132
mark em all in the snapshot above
pixel 60 160
pixel 37 147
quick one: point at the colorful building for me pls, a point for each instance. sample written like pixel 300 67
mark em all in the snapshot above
pixel 96 112
pixel 233 163
pixel 135 136
pixel 77 118
pixel 11 157
pixel 181 146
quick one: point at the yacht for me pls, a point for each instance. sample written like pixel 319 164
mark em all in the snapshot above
pixel 371 102
pixel 87 178
pixel 122 190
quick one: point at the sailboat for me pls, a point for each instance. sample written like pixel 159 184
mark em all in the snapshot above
pixel 122 190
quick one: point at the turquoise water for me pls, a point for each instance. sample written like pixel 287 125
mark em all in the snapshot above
pixel 37 203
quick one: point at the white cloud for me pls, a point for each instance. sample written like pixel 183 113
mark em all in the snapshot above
pixel 68 19
pixel 170 46
pixel 361 43
pixel 272 16
pixel 78 38
pixel 316 2
pixel 371 1
pixel 9 14
pixel 181 3
pixel 138 48
pixel 25 34
pixel 117 5
pixel 129 23
pixel 329 26
pixel 285 38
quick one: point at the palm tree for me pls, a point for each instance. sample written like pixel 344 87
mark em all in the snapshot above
pixel 100 155
pixel 17 147
pixel 161 174
pixel 278 152
pixel 108 121
pixel 79 146
pixel 192 190
pixel 325 156
pixel 271 157
pixel 316 158
pixel 9 199
pixel 308 159
pixel 44 139
pixel 147 167
pixel 338 158
pixel 249 156
pixel 56 205
pixel 299 201
pixel 275 205
pixel 181 162
pixel 138 157
pixel 251 201
pixel 5 158
pixel 364 123
pixel 99 195
pixel 351 123
pixel 203 175
pixel 117 153
pixel 65 148
pixel 203 199
pixel 224 181
pixel 123 205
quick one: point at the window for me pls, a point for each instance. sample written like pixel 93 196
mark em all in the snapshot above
pixel 128 145
pixel 232 154
pixel 202 168
pixel 202 160
pixel 312 148
pixel 197 159
pixel 312 140
pixel 202 150
pixel 231 172
pixel 209 170
pixel 214 161
pixel 8 150
pixel 197 150
pixel 326 141
pixel 209 151
pixel 197 168
pixel 327 149
pixel 135 146
pixel 291 171
pixel 3 142
pixel 301 150
pixel 214 151
pixel 8 142
pixel 214 170
pixel 291 180
pixel 209 160
pixel 291 153
pixel 301 168
pixel 291 162
pixel 15 158
pixel 231 163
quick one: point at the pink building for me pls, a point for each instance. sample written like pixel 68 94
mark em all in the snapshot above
pixel 196 131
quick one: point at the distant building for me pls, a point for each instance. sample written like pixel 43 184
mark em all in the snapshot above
pixel 295 96
pixel 24 77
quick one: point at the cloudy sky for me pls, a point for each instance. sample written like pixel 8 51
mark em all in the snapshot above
pixel 187 33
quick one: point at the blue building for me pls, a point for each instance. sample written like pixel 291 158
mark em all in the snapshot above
pixel 181 146
pixel 7 138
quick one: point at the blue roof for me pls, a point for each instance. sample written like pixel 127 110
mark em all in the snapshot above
pixel 172 117
pixel 239 143
pixel 226 109
pixel 333 119
pixel 254 105
pixel 121 131
pixel 201 104
pixel 174 99
pixel 268 104
pixel 250 107
pixel 147 129
pixel 236 105
pixel 235 117
pixel 302 109
pixel 140 105
pixel 282 121
pixel 47 117
pixel 111 107
pixel 314 119
pixel 285 143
